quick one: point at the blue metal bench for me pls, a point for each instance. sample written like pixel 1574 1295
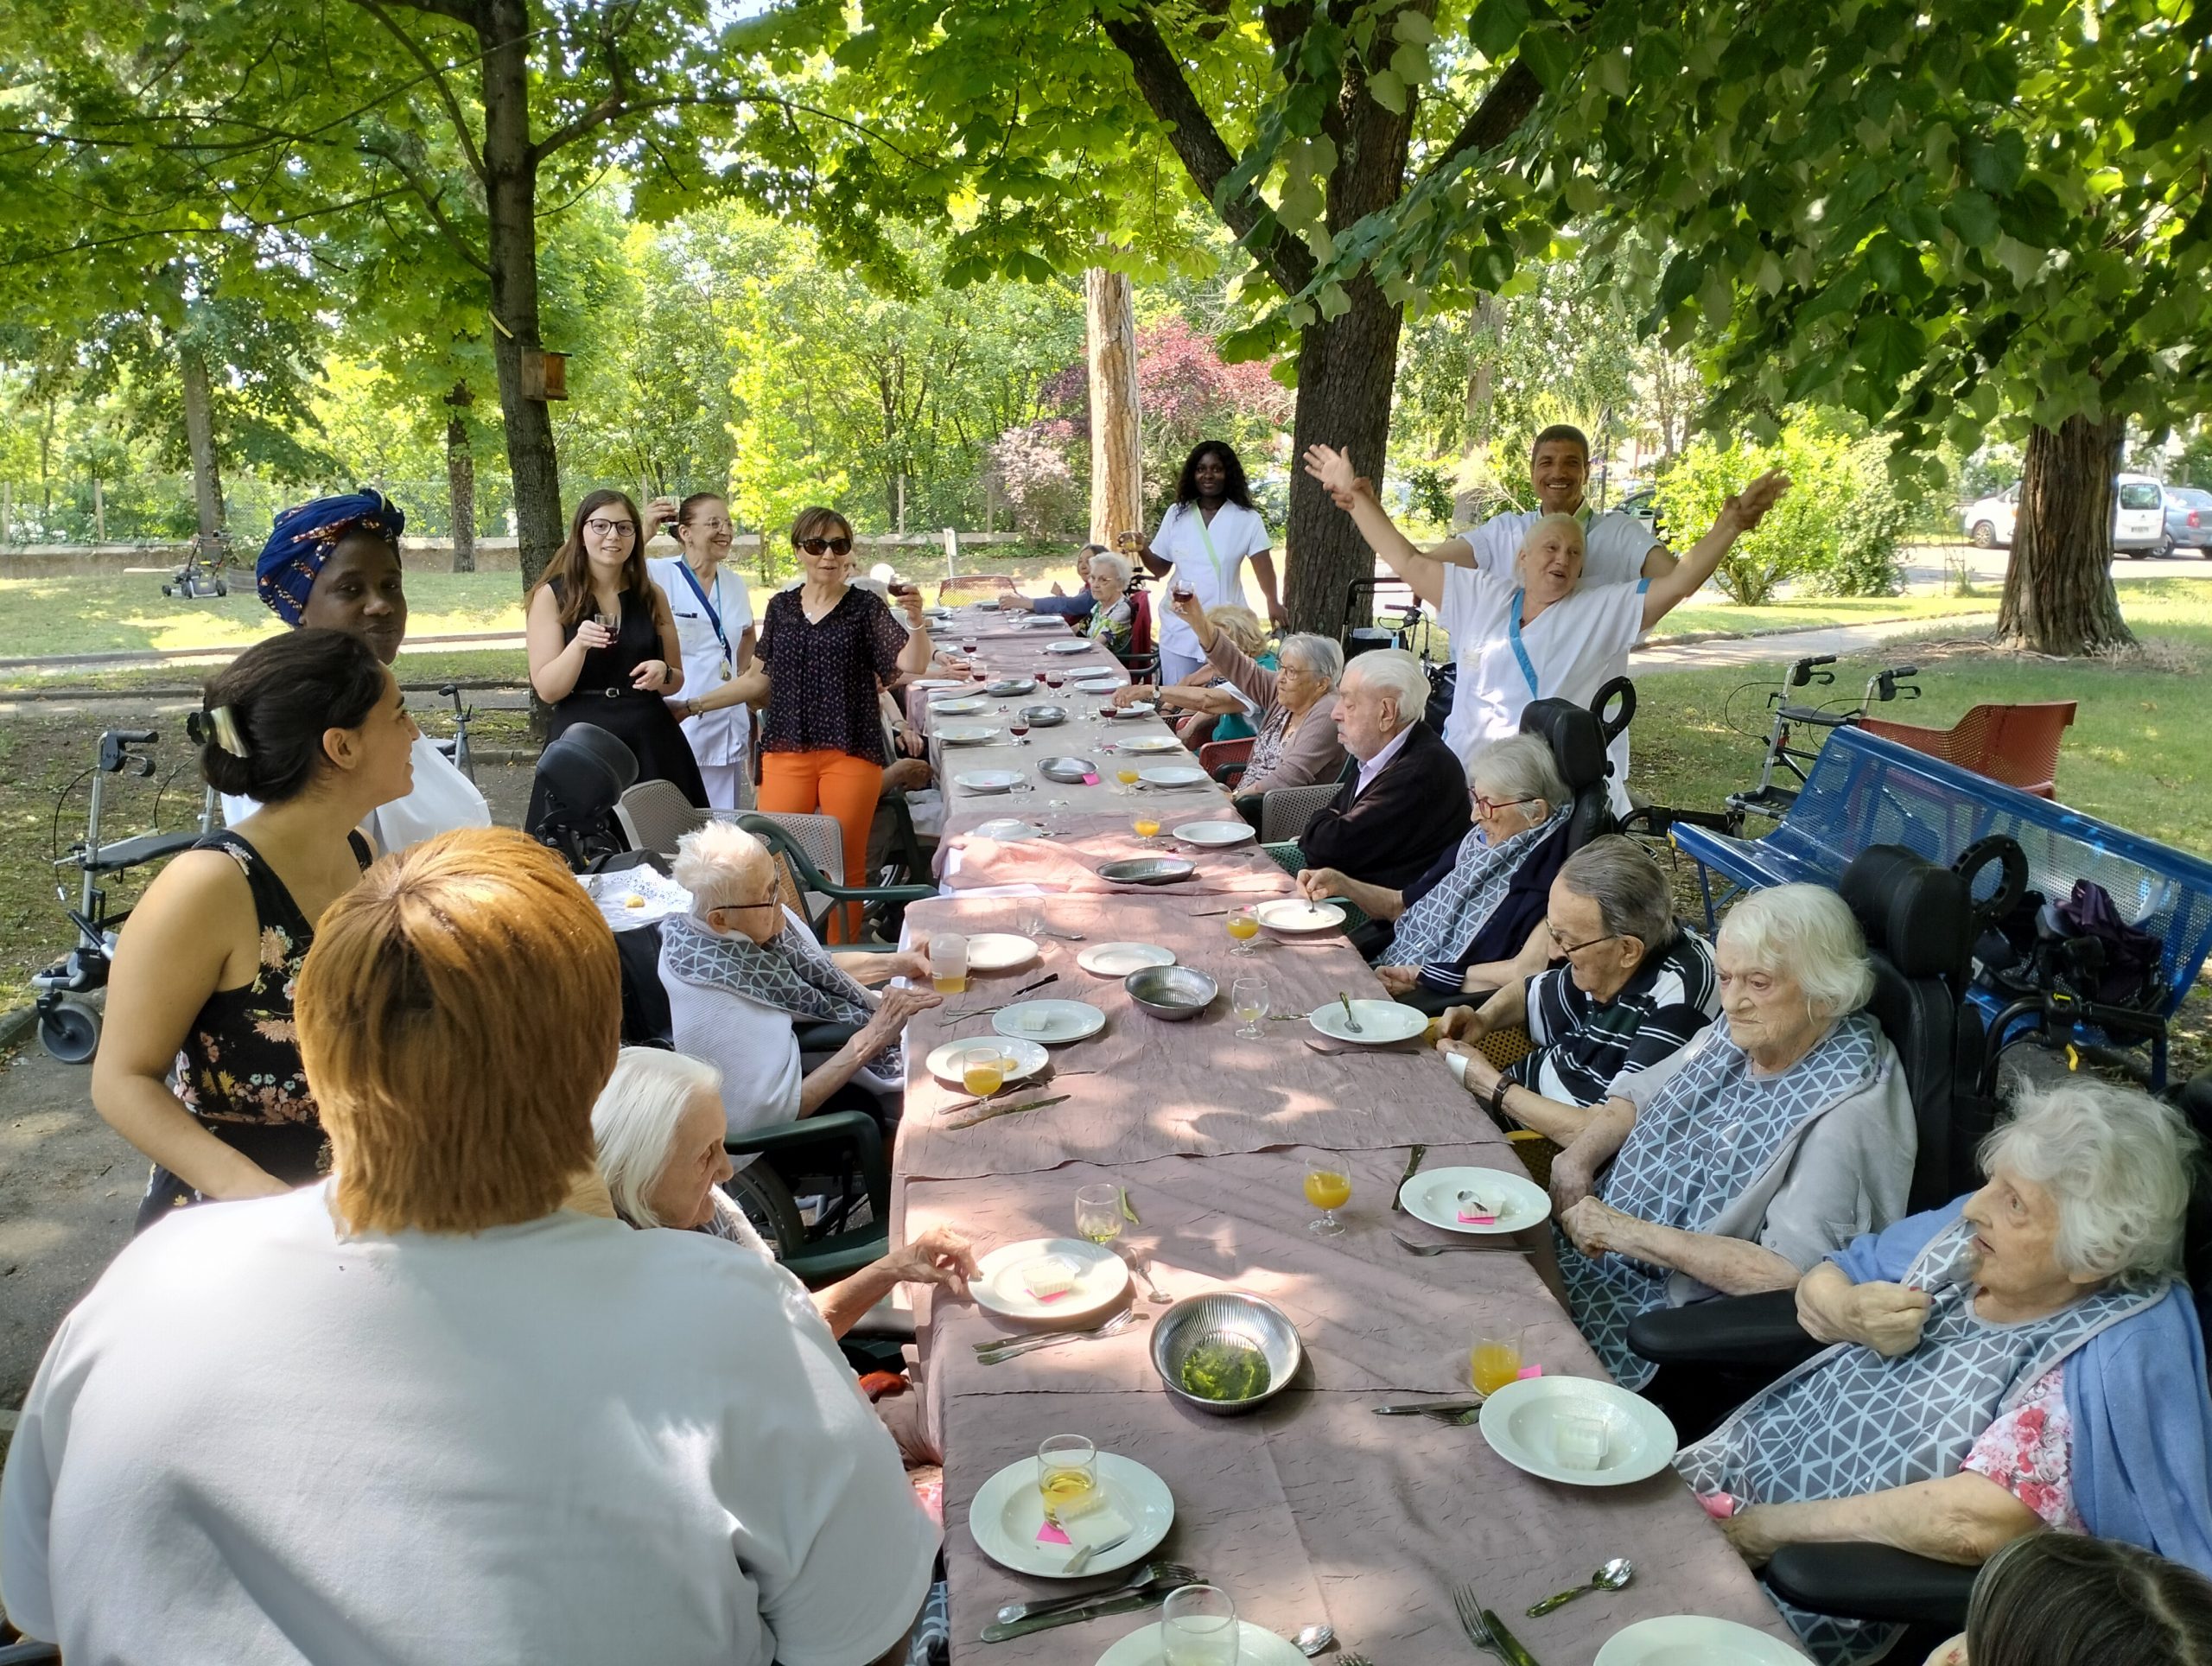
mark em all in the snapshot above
pixel 1865 790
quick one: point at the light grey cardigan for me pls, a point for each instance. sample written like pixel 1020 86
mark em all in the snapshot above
pixel 1311 757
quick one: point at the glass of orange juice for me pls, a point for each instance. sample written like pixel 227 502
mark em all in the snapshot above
pixel 948 962
pixel 1147 829
pixel 1328 1186
pixel 1243 925
pixel 1128 778
pixel 983 1072
pixel 1494 1360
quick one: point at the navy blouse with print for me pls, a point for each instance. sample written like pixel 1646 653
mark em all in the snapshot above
pixel 823 674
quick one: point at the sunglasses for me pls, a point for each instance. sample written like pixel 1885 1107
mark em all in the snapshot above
pixel 826 546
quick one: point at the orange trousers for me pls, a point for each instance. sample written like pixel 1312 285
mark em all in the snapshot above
pixel 829 783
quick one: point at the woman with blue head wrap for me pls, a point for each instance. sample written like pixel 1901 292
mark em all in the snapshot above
pixel 334 564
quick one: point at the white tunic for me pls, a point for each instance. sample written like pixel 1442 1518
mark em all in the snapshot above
pixel 1572 649
pixel 1209 558
pixel 716 737
pixel 443 799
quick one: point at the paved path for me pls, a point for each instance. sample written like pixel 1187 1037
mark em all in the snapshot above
pixel 1665 656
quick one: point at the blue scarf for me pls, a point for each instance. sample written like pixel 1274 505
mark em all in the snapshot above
pixel 305 535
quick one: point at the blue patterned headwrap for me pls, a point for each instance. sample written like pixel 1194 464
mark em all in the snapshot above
pixel 304 537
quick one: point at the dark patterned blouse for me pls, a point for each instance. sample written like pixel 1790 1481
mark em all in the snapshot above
pixel 824 675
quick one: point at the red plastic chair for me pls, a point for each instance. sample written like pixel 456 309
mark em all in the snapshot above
pixel 1140 624
pixel 2017 745
pixel 1215 753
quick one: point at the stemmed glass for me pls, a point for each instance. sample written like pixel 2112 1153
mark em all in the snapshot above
pixel 1019 729
pixel 1247 999
pixel 1147 832
pixel 1243 925
pixel 1328 1185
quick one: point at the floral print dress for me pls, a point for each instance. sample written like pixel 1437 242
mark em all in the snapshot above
pixel 238 1070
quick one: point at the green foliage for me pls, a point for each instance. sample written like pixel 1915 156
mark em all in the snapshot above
pixel 1836 530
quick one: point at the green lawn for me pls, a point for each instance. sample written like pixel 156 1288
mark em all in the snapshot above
pixel 2136 754
pixel 1818 612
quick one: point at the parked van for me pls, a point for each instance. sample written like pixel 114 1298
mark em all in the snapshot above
pixel 2138 516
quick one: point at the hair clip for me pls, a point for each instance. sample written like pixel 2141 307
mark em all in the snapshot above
pixel 225 724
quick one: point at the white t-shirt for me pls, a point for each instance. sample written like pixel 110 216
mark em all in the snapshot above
pixel 1575 647
pixel 443 799
pixel 716 737
pixel 1614 546
pixel 258 1440
pixel 1236 535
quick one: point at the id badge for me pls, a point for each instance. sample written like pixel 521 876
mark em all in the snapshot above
pixel 725 668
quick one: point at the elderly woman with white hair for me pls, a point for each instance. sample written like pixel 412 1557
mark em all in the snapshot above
pixel 1481 902
pixel 2026 1357
pixel 1539 633
pixel 742 971
pixel 1769 1141
pixel 658 1128
pixel 1112 618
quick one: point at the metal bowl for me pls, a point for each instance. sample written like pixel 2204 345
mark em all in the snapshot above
pixel 1044 716
pixel 1173 993
pixel 1231 1315
pixel 1010 685
pixel 1148 870
pixel 1070 770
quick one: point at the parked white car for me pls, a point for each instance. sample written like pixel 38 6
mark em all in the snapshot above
pixel 2139 517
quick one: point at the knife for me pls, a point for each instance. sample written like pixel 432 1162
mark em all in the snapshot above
pixel 1427 1408
pixel 1000 1631
pixel 1507 1640
pixel 1050 977
pixel 1006 1110
pixel 1413 1164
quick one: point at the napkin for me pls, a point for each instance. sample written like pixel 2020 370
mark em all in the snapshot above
pixel 1086 1524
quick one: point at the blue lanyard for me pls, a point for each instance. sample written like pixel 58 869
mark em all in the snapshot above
pixel 1520 651
pixel 713 614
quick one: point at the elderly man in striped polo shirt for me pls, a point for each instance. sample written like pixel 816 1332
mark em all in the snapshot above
pixel 1635 988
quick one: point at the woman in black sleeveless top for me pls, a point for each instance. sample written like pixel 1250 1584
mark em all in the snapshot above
pixel 603 647
pixel 199 1066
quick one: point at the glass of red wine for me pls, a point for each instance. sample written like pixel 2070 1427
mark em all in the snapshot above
pixel 1053 679
pixel 968 648
pixel 1019 729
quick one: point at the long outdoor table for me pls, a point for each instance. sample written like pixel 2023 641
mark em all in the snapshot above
pixel 1314 1508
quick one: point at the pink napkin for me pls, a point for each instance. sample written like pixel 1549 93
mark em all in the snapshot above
pixel 1465 1219
pixel 1049 1533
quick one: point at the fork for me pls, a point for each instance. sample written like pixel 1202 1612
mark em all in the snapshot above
pixel 994 1353
pixel 1354 1660
pixel 1446 1249
pixel 1351 1018
pixel 1470 1608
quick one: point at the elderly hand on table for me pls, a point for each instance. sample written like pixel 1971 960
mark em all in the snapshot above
pixel 1478 1076
pixel 1132 693
pixel 939 1256
pixel 1597 1227
pixel 1320 884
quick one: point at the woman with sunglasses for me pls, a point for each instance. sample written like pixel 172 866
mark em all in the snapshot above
pixel 827 647
pixel 603 647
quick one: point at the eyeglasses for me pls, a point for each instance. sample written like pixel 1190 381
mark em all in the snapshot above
pixel 826 546
pixel 607 528
pixel 1559 941
pixel 1492 806
pixel 743 908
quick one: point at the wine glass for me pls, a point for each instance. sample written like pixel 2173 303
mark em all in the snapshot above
pixel 1098 1213
pixel 1242 924
pixel 1053 679
pixel 1128 778
pixel 1147 830
pixel 1019 729
pixel 1247 999
pixel 968 648
pixel 1328 1185
pixel 983 1072
pixel 1198 1627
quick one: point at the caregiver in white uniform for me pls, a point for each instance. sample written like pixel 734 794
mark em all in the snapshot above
pixel 334 564
pixel 713 623
pixel 1540 633
pixel 1202 542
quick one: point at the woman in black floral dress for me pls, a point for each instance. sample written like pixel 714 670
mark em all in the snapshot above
pixel 199 1066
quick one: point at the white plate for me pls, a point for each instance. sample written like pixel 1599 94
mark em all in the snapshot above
pixel 1000 952
pixel 1135 709
pixel 1101 1276
pixel 1067 647
pixel 926 683
pixel 1151 743
pixel 1120 959
pixel 1381 1022
pixel 1298 918
pixel 988 781
pixel 1433 1196
pixel 946 1062
pixel 1214 833
pixel 1173 775
pixel 1094 682
pixel 1064 1021
pixel 1692 1640
pixel 1517 1422
pixel 1255 1646
pixel 1007 1513
pixel 1006 830
pixel 970 735
pixel 959 708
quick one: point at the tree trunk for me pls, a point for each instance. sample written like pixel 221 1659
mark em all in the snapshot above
pixel 461 482
pixel 1342 402
pixel 2058 593
pixel 505 28
pixel 1117 447
pixel 1482 382
pixel 199 436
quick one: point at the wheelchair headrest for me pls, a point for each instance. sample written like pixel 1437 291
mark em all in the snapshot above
pixel 585 771
pixel 1919 917
pixel 1614 707
pixel 1578 743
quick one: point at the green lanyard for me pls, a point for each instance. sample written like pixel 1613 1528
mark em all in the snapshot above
pixel 1206 538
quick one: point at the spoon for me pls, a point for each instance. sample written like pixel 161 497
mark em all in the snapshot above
pixel 1315 1639
pixel 1611 1577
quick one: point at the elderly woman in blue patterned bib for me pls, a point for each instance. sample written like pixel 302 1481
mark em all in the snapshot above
pixel 2023 1358
pixel 1770 1140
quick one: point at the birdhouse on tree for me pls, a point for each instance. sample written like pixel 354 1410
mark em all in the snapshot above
pixel 545 375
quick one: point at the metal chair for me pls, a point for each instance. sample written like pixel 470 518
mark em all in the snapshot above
pixel 1285 812
pixel 655 814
